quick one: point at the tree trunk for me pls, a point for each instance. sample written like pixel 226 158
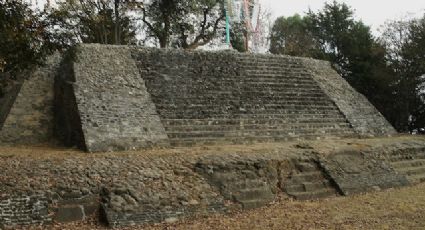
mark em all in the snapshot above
pixel 117 22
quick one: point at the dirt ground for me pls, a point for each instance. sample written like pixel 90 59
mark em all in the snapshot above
pixel 324 146
pixel 391 209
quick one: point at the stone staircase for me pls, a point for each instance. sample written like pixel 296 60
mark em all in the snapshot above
pixel 308 182
pixel 410 163
pixel 252 193
pixel 274 99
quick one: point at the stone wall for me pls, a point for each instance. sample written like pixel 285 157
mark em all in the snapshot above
pixel 6 102
pixel 23 210
pixel 31 120
pixel 114 109
pixel 149 187
pixel 362 115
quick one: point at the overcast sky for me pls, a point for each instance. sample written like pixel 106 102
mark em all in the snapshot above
pixel 372 12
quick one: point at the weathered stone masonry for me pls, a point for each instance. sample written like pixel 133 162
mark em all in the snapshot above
pixel 127 97
pixel 363 116
pixel 112 105
pixel 30 119
pixel 114 98
pixel 107 98
pixel 138 189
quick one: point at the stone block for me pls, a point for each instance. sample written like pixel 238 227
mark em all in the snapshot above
pixel 70 213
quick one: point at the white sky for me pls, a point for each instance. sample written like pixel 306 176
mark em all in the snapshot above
pixel 372 12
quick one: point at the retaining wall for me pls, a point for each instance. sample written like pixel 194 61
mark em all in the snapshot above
pixel 136 188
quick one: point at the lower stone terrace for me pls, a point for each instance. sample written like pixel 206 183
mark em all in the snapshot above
pixel 45 184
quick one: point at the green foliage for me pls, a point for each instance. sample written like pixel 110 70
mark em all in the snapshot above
pixel 24 40
pixel 291 36
pixel 365 62
pixel 91 21
pixel 22 37
pixel 343 40
pixel 405 41
pixel 237 37
pixel 388 71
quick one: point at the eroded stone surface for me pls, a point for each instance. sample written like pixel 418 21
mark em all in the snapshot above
pixel 128 97
pixel 360 171
pixel 31 119
pixel 362 115
pixel 139 187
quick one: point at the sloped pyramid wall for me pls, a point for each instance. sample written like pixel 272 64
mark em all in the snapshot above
pixel 363 116
pixel 29 111
pixel 103 102
pixel 129 97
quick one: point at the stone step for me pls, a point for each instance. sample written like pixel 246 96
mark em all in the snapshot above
pixel 272 124
pixel 269 78
pixel 306 119
pixel 247 183
pixel 293 188
pixel 176 108
pixel 197 102
pixel 416 178
pixel 254 81
pixel 290 87
pixel 257 71
pixel 316 185
pixel 409 171
pixel 289 72
pixel 248 79
pixel 241 95
pixel 265 80
pixel 283 72
pixel 234 112
pixel 250 98
pixel 185 142
pixel 307 177
pixel 255 76
pixel 281 84
pixel 237 95
pixel 409 163
pixel 406 157
pixel 317 194
pixel 254 107
pixel 307 186
pixel 270 64
pixel 291 126
pixel 226 114
pixel 254 133
pixel 238 91
pixel 258 115
pixel 267 61
pixel 248 102
pixel 263 193
pixel 237 103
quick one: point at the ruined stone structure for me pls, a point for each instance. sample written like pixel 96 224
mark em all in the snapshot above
pixel 110 98
pixel 27 111
pixel 115 98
